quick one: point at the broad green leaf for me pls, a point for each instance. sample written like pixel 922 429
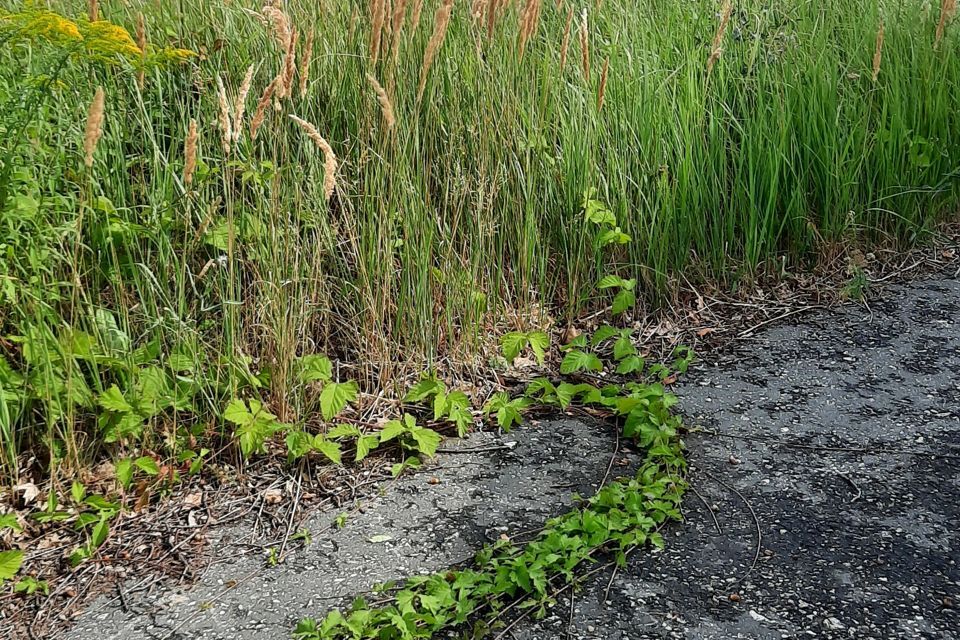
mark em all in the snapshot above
pixel 539 342
pixel 124 471
pixel 148 465
pixel 624 300
pixel 427 440
pixel 623 347
pixel 391 430
pixel 335 397
pixel 112 400
pixel 298 444
pixel 236 412
pixel 330 449
pixel 9 521
pixel 364 445
pixel 427 387
pixel 603 334
pixel 610 281
pixel 315 367
pixel 512 344
pixel 10 562
pixel 344 431
pixel 77 491
pixel 630 364
pixel 100 533
pixel 580 361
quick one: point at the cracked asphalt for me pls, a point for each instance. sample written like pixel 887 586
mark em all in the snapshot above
pixel 825 467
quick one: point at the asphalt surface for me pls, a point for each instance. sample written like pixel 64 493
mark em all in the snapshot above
pixel 825 504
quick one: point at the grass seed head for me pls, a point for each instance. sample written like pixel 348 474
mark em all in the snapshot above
pixel 585 45
pixel 716 48
pixel 190 153
pixel 878 52
pixel 947 9
pixel 262 105
pixel 565 46
pixel 305 61
pixel 94 128
pixel 329 158
pixel 240 106
pixel 386 106
pixel 603 84
pixel 226 134
pixel 440 22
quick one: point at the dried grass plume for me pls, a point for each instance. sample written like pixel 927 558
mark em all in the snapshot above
pixel 329 158
pixel 440 23
pixel 190 153
pixel 947 9
pixel 878 52
pixel 716 47
pixel 94 128
pixel 386 106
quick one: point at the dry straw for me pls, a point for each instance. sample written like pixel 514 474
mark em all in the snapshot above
pixel 226 134
pixel 378 15
pixel 878 52
pixel 947 9
pixel 305 63
pixel 142 43
pixel 601 94
pixel 528 23
pixel 566 40
pixel 190 153
pixel 386 107
pixel 240 106
pixel 93 10
pixel 440 22
pixel 415 16
pixel 289 65
pixel 281 25
pixel 585 45
pixel 716 47
pixel 94 128
pixel 399 13
pixel 329 159
pixel 258 116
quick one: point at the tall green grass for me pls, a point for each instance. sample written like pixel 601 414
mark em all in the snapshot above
pixel 464 220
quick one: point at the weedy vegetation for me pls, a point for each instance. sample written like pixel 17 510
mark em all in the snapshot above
pixel 227 228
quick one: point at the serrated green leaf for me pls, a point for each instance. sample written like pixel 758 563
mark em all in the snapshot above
pixel 9 521
pixel 623 347
pixel 112 400
pixel 512 344
pixel 427 440
pixel 148 465
pixel 335 397
pixel 330 449
pixel 630 364
pixel 580 361
pixel 10 562
pixel 344 431
pixel 365 444
pixel 603 334
pixel 539 343
pixel 237 413
pixel 124 470
pixel 427 387
pixel 315 367
pixel 624 300
pixel 610 281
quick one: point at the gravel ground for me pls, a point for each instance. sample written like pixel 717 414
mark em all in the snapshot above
pixel 824 504
pixel 842 451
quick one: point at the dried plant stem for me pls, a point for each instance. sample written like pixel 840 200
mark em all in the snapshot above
pixel 565 46
pixel 603 84
pixel 440 23
pixel 93 10
pixel 329 158
pixel 240 106
pixel 258 116
pixel 716 48
pixel 190 154
pixel 224 116
pixel 142 44
pixel 305 61
pixel 585 45
pixel 94 128
pixel 947 9
pixel 878 52
pixel 386 106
